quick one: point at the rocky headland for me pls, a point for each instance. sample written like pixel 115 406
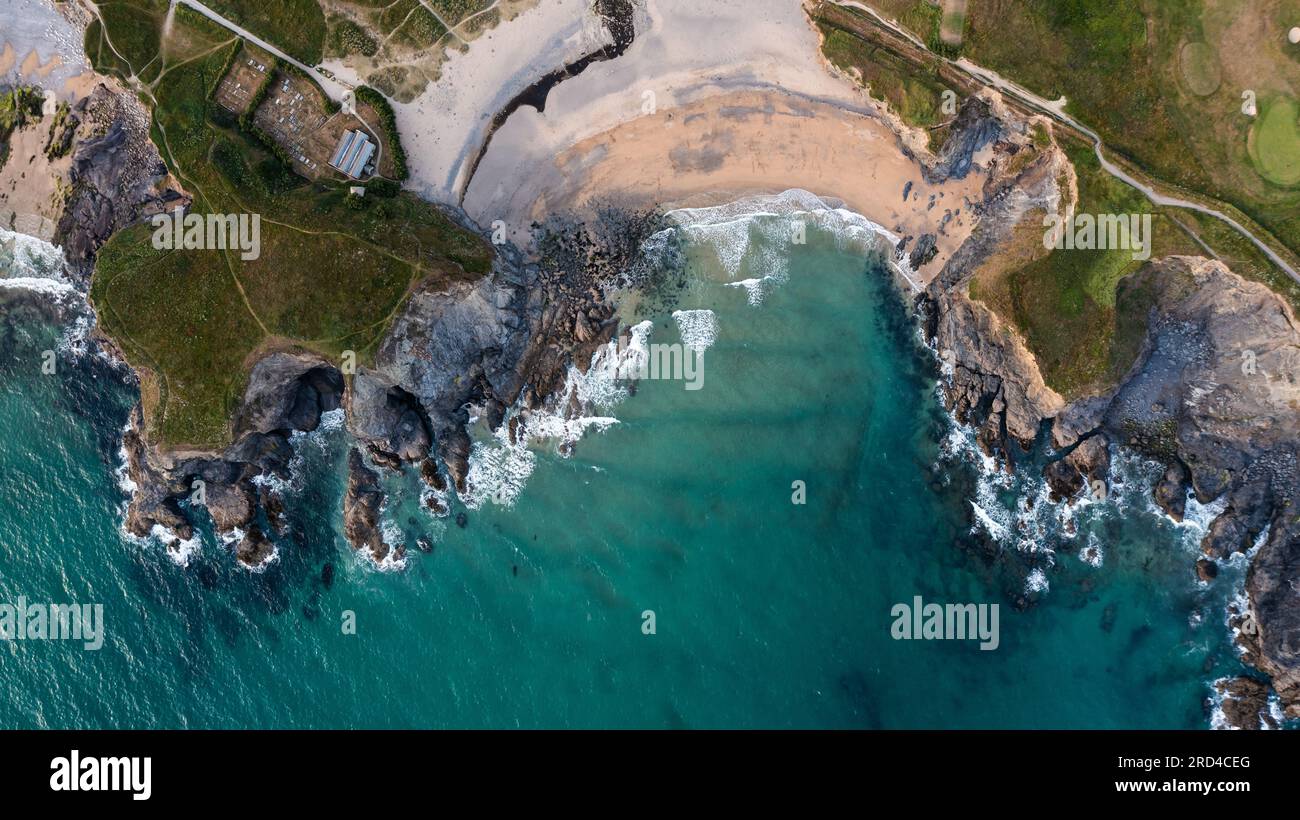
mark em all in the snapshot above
pixel 1212 395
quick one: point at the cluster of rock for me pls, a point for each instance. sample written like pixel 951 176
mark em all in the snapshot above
pixel 1213 394
pixel 286 393
pixel 453 355
pixel 477 349
pixel 117 177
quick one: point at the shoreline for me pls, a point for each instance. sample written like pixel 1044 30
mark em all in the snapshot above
pixel 725 147
pixel 712 128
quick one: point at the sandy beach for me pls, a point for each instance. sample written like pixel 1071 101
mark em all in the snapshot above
pixel 682 52
pixel 40 47
pixel 722 148
pixel 706 106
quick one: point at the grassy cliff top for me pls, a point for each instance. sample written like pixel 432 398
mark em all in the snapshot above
pixel 333 269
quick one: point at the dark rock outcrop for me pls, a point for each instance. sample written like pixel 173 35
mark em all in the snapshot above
pixel 254 549
pixel 1064 480
pixel 1272 636
pixel 286 393
pixel 362 505
pixel 978 124
pixel 1245 703
pixel 1214 394
pixel 388 419
pixel 1085 467
pixel 1170 492
pixel 117 177
pixel 1206 570
pixel 994 383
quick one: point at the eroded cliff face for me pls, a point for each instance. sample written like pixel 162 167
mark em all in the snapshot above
pixel 286 392
pixel 116 177
pixel 1214 394
pixel 475 351
pixel 991 379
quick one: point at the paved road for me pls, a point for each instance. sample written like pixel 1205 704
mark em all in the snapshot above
pixel 333 87
pixel 1056 110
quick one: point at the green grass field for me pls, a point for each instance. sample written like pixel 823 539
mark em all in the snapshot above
pixel 1275 141
pixel 1161 82
pixel 1127 71
pixel 330 276
pixel 297 26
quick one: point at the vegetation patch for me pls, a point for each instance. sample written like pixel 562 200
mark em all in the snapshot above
pixel 1275 142
pixel 328 278
pixel 388 122
pixel 1064 303
pixel 915 96
pixel 1199 63
pixel 347 38
pixel 19 107
pixel 295 26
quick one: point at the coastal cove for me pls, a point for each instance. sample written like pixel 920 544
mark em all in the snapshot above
pixel 685 369
pixel 531 615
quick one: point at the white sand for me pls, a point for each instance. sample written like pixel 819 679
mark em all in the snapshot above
pixel 684 49
pixel 443 128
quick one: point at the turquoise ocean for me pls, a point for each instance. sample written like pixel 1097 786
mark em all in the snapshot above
pixel 766 613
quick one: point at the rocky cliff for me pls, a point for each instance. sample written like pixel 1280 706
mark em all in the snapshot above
pixel 116 177
pixel 1213 395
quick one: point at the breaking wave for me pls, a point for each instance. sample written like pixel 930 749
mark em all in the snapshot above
pixel 750 240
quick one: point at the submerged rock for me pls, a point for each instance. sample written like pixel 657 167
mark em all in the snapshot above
pixel 1170 493
pixel 1206 570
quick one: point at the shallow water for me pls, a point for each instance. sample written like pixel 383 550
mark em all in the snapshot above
pixel 766 612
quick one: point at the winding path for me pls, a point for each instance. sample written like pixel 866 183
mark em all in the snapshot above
pixel 1056 110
